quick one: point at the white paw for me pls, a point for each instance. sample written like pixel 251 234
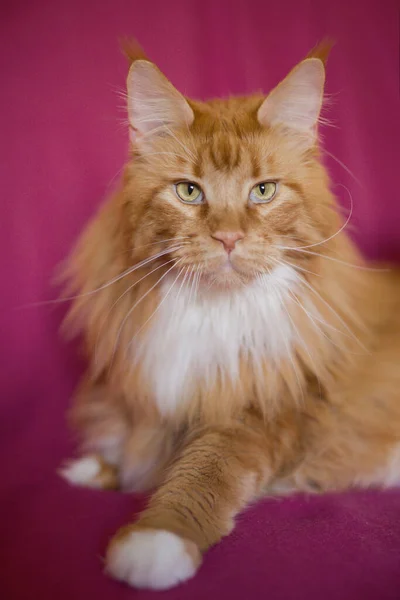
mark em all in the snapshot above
pixel 154 559
pixel 83 471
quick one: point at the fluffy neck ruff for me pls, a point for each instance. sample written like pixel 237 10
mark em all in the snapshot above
pixel 198 338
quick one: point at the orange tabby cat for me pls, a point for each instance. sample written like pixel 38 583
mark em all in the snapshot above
pixel 237 343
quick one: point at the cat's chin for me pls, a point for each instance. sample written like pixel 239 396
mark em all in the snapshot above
pixel 227 276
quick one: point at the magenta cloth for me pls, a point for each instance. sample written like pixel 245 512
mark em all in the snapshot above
pixel 62 146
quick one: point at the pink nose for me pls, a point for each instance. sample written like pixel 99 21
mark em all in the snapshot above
pixel 228 238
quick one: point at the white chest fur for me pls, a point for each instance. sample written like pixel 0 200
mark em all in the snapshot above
pixel 192 338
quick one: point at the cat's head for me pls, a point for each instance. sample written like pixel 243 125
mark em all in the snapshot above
pixel 226 185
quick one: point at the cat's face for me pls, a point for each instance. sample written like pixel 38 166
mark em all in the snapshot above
pixel 227 183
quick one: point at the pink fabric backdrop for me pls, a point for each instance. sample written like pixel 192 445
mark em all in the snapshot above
pixel 61 149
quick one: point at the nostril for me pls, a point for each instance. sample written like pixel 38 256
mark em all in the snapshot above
pixel 228 238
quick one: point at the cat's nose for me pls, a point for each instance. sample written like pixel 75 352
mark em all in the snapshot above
pixel 228 238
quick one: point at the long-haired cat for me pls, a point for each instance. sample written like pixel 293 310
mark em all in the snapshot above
pixel 237 342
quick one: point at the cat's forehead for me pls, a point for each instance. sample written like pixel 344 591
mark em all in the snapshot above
pixel 239 106
pixel 228 155
pixel 234 117
pixel 225 132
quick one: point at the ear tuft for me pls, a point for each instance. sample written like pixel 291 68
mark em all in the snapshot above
pixel 322 50
pixel 132 50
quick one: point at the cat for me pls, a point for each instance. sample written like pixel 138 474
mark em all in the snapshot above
pixel 238 344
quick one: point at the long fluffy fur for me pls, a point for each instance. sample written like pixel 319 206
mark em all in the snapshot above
pixel 319 413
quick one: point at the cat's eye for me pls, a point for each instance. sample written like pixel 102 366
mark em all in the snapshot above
pixel 189 192
pixel 263 192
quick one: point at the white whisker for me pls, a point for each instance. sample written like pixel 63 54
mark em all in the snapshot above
pixel 198 277
pixel 113 179
pixel 122 296
pixel 183 237
pixel 287 344
pixel 111 282
pixel 313 319
pixel 301 340
pixel 179 292
pixel 339 162
pixel 339 230
pixel 296 267
pixel 337 260
pixel 196 282
pixel 191 279
pixel 135 305
pixel 179 240
pixel 310 287
pixel 156 310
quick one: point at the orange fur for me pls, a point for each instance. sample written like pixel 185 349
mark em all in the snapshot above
pixel 325 416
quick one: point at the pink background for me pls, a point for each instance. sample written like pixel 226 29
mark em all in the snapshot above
pixel 61 149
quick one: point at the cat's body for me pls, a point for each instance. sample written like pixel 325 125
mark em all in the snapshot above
pixel 254 350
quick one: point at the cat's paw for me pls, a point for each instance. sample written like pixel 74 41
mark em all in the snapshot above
pixel 152 558
pixel 89 471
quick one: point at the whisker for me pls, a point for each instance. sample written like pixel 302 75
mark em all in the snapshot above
pixel 109 184
pixel 340 163
pixel 310 287
pixel 191 279
pixel 174 308
pixel 198 277
pixel 288 348
pixel 342 262
pixel 296 267
pixel 183 237
pixel 133 308
pixel 111 282
pixel 156 310
pixel 303 343
pixel 135 248
pixel 124 294
pixel 310 316
pixel 197 281
pixel 339 230
pixel 313 319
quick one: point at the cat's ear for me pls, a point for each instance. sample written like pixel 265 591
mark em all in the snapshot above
pixel 296 102
pixel 153 102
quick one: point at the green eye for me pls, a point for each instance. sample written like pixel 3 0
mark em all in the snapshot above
pixel 263 192
pixel 189 192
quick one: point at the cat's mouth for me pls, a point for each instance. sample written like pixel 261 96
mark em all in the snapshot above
pixel 229 272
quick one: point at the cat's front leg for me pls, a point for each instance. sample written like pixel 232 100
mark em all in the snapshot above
pixel 216 475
